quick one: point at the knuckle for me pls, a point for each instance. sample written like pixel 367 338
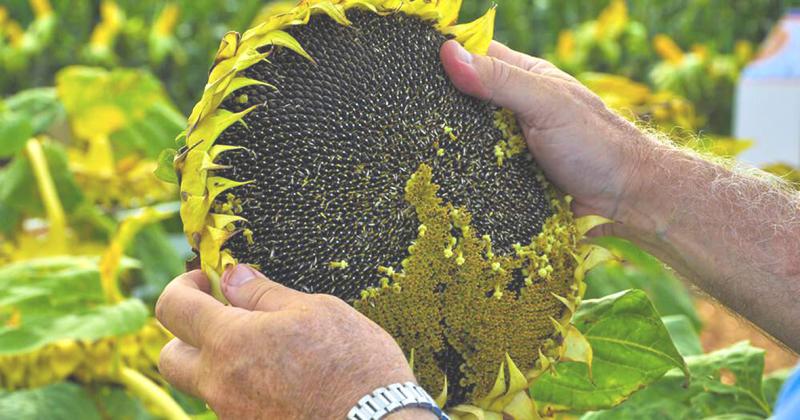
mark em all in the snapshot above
pixel 262 294
pixel 162 304
pixel 165 359
pixel 500 72
pixel 327 301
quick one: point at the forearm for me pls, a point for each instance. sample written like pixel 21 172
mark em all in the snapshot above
pixel 735 235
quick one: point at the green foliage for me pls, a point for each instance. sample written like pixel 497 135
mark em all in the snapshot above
pixel 128 105
pixel 645 272
pixel 39 106
pixel 683 335
pixel 18 189
pixel 726 382
pixel 631 348
pixel 61 401
pixel 61 298
pixel 772 384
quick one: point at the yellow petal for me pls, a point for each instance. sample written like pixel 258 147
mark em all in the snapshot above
pixel 448 11
pixel 516 383
pixel 240 82
pixel 276 37
pixel 577 348
pixel 209 129
pixel 218 184
pixel 521 407
pixel 475 36
pixel 220 221
pixel 334 11
pixel 227 47
pixel 497 390
pixel 587 223
pixel 569 304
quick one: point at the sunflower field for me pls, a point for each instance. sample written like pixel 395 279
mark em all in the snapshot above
pixel 95 96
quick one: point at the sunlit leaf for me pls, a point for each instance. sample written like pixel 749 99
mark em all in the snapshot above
pixel 631 347
pixel 61 298
pixel 61 401
pixel 166 170
pixel 94 323
pixel 723 383
pixel 641 271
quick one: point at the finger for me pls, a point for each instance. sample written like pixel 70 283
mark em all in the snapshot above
pixel 527 62
pixel 247 288
pixel 179 364
pixel 523 92
pixel 185 307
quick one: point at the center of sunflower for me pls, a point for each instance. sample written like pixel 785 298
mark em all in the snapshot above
pixel 375 180
pixel 336 141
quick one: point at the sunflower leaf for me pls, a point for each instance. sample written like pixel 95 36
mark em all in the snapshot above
pixel 60 298
pixel 726 383
pixel 641 271
pixel 61 401
pixel 165 170
pixel 631 349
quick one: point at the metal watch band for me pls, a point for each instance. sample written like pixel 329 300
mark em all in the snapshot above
pixel 385 400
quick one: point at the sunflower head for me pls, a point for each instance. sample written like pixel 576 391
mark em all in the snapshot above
pixel 330 149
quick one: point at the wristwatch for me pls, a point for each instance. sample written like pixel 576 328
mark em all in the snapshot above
pixel 389 399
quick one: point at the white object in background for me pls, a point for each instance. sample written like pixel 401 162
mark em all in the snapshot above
pixel 767 107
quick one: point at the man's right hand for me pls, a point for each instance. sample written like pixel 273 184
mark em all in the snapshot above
pixel 584 148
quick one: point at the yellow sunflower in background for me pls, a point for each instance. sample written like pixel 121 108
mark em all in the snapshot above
pixel 330 149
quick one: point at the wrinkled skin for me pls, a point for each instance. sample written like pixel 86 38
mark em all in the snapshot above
pixel 274 353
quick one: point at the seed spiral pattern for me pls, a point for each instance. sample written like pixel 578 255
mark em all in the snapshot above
pixel 336 141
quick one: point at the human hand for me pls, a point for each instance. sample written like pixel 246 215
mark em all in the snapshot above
pixel 275 352
pixel 585 149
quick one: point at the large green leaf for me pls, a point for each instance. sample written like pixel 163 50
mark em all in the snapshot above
pixel 61 401
pixel 642 271
pixel 60 298
pixel 726 383
pixel 631 348
pixel 119 404
pixel 94 323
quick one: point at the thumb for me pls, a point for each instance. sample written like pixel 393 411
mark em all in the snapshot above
pixel 490 78
pixel 245 287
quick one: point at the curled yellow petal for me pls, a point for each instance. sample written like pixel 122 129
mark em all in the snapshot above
pixel 448 12
pixel 587 223
pixel 497 390
pixel 475 36
pixel 334 11
pixel 576 348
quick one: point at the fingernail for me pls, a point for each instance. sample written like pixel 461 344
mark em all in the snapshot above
pixel 462 54
pixel 239 275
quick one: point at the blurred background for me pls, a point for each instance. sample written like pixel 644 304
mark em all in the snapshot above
pixel 91 93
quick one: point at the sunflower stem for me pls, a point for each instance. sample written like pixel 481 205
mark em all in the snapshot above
pixel 48 194
pixel 151 393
